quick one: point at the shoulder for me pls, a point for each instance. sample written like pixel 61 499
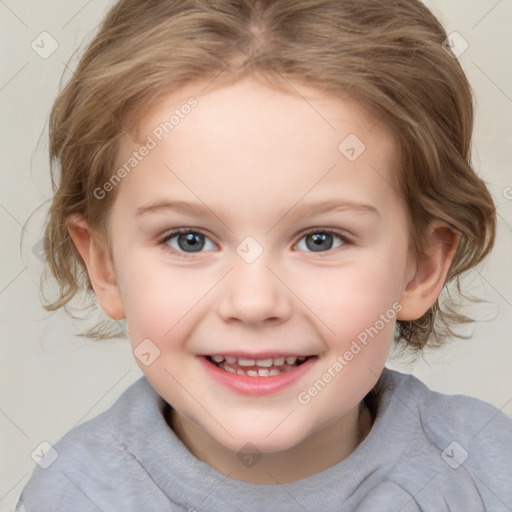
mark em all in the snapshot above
pixel 465 443
pixel 89 459
pixel 466 418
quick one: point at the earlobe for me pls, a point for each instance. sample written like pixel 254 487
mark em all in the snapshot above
pixel 99 267
pixel 430 272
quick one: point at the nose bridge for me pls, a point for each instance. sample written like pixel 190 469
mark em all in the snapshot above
pixel 252 292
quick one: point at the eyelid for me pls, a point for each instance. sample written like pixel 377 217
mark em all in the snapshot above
pixel 180 231
pixel 344 235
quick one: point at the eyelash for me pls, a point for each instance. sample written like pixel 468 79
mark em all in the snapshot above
pixel 184 231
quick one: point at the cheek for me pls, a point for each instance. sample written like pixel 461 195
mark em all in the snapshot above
pixel 350 298
pixel 157 298
pixel 162 300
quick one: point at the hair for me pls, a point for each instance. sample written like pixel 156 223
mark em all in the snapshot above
pixel 389 57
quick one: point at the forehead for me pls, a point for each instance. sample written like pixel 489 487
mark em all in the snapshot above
pixel 280 146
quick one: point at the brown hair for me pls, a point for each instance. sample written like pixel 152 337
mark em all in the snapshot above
pixel 388 56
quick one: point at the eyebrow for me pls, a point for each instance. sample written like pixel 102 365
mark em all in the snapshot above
pixel 304 210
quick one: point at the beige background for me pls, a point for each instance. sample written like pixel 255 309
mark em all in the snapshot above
pixel 52 380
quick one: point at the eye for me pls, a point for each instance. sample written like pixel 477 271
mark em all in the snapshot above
pixel 320 240
pixel 187 241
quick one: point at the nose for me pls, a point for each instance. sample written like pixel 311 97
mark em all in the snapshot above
pixel 254 294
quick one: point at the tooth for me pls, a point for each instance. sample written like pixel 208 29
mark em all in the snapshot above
pixel 263 372
pixel 291 359
pixel 240 372
pixel 230 359
pixel 245 362
pixel 252 373
pixel 266 363
pixel 228 369
pixel 274 371
pixel 218 359
pixel 278 361
pixel 302 358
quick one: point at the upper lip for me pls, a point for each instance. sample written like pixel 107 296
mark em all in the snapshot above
pixel 260 355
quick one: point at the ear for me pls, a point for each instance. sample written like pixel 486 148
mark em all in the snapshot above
pixel 99 267
pixel 427 275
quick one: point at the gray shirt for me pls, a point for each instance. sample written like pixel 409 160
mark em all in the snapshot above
pixel 426 451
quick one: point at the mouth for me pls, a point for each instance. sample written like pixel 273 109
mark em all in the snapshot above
pixel 257 367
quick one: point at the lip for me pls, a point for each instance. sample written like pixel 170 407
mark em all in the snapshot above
pixel 261 355
pixel 256 386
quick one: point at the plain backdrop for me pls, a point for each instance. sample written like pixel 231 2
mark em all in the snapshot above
pixel 52 380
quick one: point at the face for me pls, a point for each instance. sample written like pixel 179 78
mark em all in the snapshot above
pixel 292 249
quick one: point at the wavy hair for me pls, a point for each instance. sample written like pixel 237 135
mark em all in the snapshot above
pixel 388 56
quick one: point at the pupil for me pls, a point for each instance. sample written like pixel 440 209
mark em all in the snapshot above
pixel 318 240
pixel 193 240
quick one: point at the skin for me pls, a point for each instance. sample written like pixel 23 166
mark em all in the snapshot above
pixel 255 155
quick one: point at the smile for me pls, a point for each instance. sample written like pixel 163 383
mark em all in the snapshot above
pixel 250 375
pixel 267 367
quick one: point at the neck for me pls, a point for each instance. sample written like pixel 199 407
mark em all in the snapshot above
pixel 321 450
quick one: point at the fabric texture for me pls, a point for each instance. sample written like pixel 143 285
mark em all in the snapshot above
pixel 426 452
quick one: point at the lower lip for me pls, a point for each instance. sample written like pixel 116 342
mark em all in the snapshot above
pixel 256 385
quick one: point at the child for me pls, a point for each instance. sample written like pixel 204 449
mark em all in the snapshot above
pixel 254 131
